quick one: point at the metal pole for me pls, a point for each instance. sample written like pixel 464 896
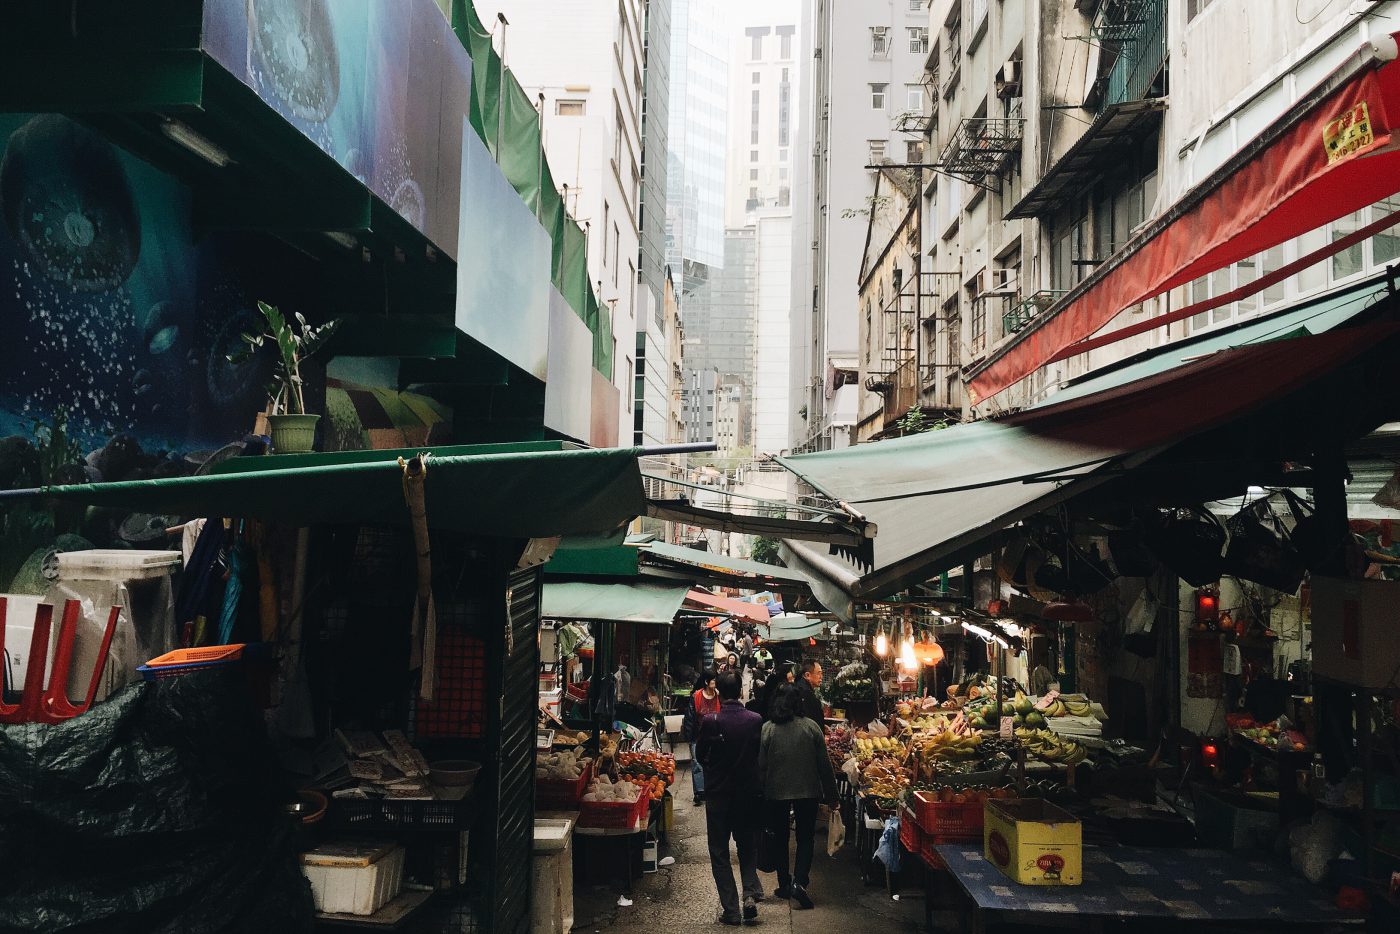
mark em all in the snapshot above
pixel 501 90
pixel 539 168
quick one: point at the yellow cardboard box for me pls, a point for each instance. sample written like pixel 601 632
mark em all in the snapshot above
pixel 1033 842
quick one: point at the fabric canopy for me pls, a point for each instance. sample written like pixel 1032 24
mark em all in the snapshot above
pixel 652 604
pixel 748 574
pixel 938 496
pixel 753 612
pixel 1332 155
pixel 524 491
pixel 794 627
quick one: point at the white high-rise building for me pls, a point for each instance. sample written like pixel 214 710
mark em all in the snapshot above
pixel 865 72
pixel 586 57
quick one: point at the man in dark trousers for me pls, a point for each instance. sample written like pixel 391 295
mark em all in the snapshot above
pixel 807 685
pixel 728 749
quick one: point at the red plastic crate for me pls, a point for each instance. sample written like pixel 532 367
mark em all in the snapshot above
pixel 458 707
pixel 556 795
pixel 911 835
pixel 929 854
pixel 959 821
pixel 613 815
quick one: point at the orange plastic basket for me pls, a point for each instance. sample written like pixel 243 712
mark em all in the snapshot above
pixel 200 656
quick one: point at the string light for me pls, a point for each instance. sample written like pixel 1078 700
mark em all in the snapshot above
pixel 882 643
pixel 907 660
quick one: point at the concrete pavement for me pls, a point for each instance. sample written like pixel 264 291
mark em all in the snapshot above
pixel 681 898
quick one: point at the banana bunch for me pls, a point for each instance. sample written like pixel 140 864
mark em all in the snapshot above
pixel 885 781
pixel 929 724
pixel 870 746
pixel 949 746
pixel 1052 747
pixel 1066 707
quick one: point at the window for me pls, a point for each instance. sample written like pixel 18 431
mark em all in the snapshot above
pixel 757 77
pixel 753 155
pixel 879 41
pixel 1194 8
pixel 619 131
pixel 877 151
pixel 753 117
pixel 914 98
pixel 756 34
pixel 978 318
pixel 617 246
pixel 913 151
pixel 918 40
pixel 977 12
pixel 607 213
pixel 753 175
pixel 569 108
pixel 783 174
pixel 784 109
pixel 877 96
pixel 785 41
pixel 916 6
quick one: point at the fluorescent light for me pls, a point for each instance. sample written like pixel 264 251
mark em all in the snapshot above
pixel 196 143
pixel 985 635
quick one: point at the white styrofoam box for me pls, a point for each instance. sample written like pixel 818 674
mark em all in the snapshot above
pixel 106 564
pixel 353 878
pixel 552 834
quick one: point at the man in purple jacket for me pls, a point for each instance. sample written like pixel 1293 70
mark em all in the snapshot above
pixel 728 750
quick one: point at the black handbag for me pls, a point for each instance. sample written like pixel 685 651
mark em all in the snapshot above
pixel 1189 541
pixel 1261 549
pixel 767 850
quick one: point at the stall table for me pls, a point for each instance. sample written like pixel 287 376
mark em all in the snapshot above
pixel 628 843
pixel 1122 882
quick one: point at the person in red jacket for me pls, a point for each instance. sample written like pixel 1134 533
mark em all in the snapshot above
pixel 704 701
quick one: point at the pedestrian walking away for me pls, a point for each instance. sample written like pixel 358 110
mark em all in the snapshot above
pixel 795 774
pixel 728 748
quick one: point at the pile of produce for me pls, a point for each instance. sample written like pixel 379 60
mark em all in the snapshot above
pixel 1051 747
pixel 963 794
pixel 651 771
pixel 566 765
pixel 946 746
pixel 985 715
pixel 1272 735
pixel 604 789
pixel 867 746
pixel 840 745
pixel 885 781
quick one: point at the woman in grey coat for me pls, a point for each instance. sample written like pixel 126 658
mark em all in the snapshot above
pixel 796 777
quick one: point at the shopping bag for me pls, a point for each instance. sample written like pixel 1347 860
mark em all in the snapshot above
pixel 835 832
pixel 767 850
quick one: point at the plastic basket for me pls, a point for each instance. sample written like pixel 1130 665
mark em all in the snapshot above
pixel 202 655
pixel 613 815
pixel 928 852
pixel 560 795
pixel 946 820
pixel 388 813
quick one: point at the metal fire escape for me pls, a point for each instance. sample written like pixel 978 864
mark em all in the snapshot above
pixel 914 304
pixel 980 149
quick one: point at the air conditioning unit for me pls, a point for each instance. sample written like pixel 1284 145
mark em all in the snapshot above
pixel 1002 280
pixel 1008 82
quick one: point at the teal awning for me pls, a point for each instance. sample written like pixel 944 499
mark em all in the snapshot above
pixel 531 490
pixel 640 602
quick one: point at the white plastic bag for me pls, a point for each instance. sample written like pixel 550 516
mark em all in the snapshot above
pixel 835 833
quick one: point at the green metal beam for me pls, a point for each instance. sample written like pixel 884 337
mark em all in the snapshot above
pixel 100 80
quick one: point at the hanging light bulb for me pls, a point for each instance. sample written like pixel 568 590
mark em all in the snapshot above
pixel 907 659
pixel 882 643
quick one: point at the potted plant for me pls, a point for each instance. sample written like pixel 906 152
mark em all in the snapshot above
pixel 293 429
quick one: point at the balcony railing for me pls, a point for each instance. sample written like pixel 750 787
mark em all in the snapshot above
pixel 1025 311
pixel 981 147
pixel 1138 28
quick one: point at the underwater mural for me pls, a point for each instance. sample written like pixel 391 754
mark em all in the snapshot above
pixel 116 326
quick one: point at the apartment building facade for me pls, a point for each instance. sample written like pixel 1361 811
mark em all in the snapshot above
pixel 865 73
pixel 1062 136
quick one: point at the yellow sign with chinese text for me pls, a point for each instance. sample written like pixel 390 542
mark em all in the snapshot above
pixel 1348 133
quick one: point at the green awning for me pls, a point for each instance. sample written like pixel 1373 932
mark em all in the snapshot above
pixel 645 603
pixel 531 490
pixel 574 559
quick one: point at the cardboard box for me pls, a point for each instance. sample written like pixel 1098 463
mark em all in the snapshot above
pixel 1353 631
pixel 1033 842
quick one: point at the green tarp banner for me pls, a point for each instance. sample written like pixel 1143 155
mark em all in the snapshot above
pixel 602 336
pixel 505 118
pixel 504 491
